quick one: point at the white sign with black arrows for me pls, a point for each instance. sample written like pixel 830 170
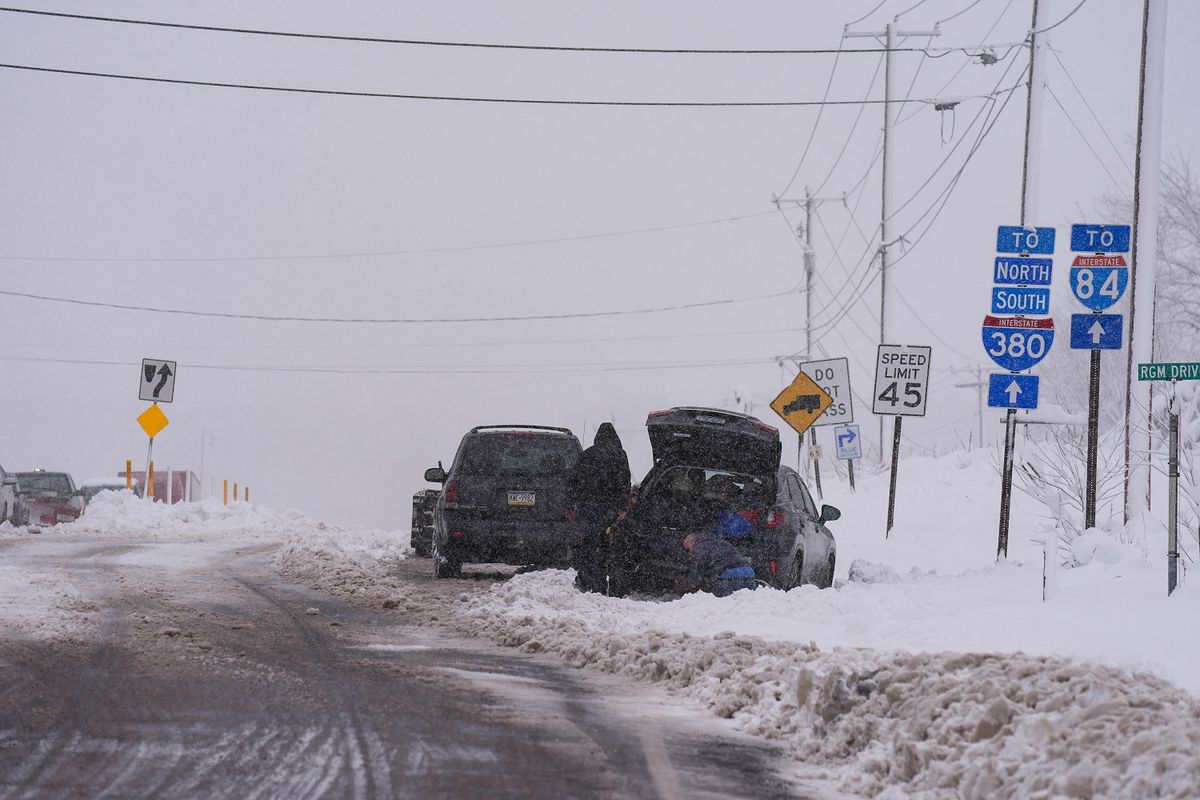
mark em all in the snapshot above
pixel 157 381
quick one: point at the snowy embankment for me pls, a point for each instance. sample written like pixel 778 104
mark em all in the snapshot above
pixel 929 670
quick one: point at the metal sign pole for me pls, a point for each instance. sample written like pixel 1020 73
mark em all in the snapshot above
pixel 1172 498
pixel 1093 440
pixel 850 471
pixel 149 492
pixel 1010 435
pixel 815 452
pixel 895 468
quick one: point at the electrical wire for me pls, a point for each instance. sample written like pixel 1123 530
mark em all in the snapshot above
pixel 1087 143
pixel 432 43
pixel 817 122
pixel 397 321
pixel 385 253
pixel 869 13
pixel 853 127
pixel 1092 111
pixel 451 98
pixel 1061 21
pixel 492 369
pixel 412 345
pixel 957 14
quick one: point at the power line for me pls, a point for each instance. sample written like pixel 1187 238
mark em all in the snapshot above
pixel 385 253
pixel 1092 111
pixel 817 122
pixel 1083 138
pixel 957 14
pixel 397 321
pixel 491 369
pixel 433 43
pixel 412 345
pixel 455 98
pixel 1061 21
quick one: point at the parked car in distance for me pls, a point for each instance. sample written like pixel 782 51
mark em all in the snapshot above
pixel 47 498
pixel 707 462
pixel 424 502
pixel 8 495
pixel 94 486
pixel 504 499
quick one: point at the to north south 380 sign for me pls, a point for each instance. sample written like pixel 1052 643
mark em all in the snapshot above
pixel 1017 343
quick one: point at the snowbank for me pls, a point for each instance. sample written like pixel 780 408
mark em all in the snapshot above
pixel 948 724
pixel 352 565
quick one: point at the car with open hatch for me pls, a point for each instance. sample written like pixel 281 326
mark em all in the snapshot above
pixel 504 499
pixel 708 463
pixel 46 498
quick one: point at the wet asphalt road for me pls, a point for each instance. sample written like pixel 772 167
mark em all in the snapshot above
pixel 219 680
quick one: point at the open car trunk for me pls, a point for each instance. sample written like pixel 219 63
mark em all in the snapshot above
pixel 714 439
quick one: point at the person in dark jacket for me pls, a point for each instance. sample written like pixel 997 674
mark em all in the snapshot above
pixel 598 490
pixel 715 565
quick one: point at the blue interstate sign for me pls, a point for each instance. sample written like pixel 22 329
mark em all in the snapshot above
pixel 1034 241
pixel 1017 343
pixel 1099 287
pixel 1020 300
pixel 1027 271
pixel 1096 331
pixel 1012 391
pixel 1099 238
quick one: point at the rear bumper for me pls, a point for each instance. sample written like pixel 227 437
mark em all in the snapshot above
pixel 491 541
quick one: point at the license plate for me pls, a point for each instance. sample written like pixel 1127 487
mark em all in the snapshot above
pixel 522 498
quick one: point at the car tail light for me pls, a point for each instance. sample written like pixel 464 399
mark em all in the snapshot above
pixel 776 518
pixel 752 516
pixel 456 534
pixel 654 414
pixel 451 492
pixel 764 426
pixel 774 567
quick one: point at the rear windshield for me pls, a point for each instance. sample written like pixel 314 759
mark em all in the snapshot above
pixel 35 482
pixel 518 454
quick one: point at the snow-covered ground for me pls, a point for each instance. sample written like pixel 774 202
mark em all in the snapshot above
pixel 928 671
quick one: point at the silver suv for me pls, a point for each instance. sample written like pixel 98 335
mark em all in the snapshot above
pixel 8 495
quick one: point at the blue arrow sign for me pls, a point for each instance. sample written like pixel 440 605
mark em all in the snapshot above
pixel 1099 287
pixel 1012 391
pixel 849 444
pixel 1020 300
pixel 1017 343
pixel 1034 241
pixel 1099 238
pixel 1096 331
pixel 1026 271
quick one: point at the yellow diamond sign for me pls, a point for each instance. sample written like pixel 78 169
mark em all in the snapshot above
pixel 801 403
pixel 153 420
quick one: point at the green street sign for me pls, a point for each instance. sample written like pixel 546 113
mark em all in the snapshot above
pixel 1169 372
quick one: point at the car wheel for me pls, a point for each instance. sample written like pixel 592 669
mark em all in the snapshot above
pixel 443 567
pixel 828 577
pixel 793 574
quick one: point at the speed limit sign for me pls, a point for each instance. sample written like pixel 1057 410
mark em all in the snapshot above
pixel 901 380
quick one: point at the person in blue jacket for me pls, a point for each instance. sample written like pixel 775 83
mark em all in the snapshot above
pixel 715 565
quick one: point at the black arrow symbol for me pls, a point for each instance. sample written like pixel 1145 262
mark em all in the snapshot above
pixel 164 372
pixel 149 368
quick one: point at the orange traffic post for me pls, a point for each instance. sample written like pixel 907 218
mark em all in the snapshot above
pixel 235 491
pixel 129 473
pixel 150 480
pixel 225 492
pixel 246 494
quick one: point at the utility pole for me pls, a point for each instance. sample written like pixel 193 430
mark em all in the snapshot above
pixel 1030 177
pixel 979 385
pixel 890 36
pixel 1144 257
pixel 810 204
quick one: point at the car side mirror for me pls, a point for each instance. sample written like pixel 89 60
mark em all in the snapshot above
pixel 435 474
pixel 830 513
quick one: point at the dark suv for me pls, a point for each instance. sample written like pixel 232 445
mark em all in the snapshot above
pixel 504 499
pixel 708 462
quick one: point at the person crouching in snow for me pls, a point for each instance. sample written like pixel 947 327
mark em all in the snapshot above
pixel 715 565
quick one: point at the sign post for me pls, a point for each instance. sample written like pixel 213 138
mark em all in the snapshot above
pixel 1018 342
pixel 157 384
pixel 833 376
pixel 849 447
pixel 902 390
pixel 1171 372
pixel 1097 281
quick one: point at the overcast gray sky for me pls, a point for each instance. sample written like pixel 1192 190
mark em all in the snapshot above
pixel 250 202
